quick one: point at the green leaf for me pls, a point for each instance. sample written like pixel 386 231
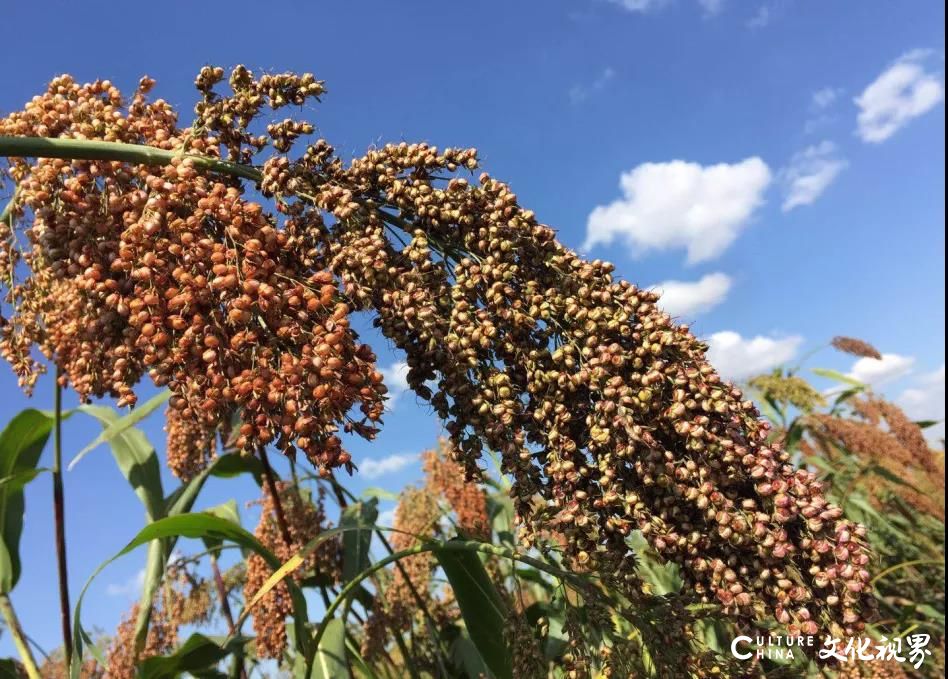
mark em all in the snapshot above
pixel 365 671
pixel 794 434
pixel 925 424
pixel 481 607
pixel 20 479
pixel 879 470
pixel 9 669
pixel 663 576
pixel 122 424
pixel 837 376
pixel 330 660
pixel 136 459
pixel 464 655
pixel 21 443
pixel 226 510
pixel 182 499
pixel 930 611
pixel 846 395
pixel 197 653
pixel 195 526
pixel 360 516
pixel 380 493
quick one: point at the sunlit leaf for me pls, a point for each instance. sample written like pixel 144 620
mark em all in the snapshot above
pixel 122 424
pixel 379 493
pixel 136 459
pixel 21 444
pixel 837 376
pixel 330 659
pixel 481 607
pixel 360 516
pixel 196 526
pixel 197 653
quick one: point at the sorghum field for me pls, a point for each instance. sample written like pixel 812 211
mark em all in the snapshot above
pixel 601 501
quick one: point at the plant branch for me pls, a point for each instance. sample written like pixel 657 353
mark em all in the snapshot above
pixel 277 503
pixel 60 520
pixel 228 615
pixel 19 638
pixel 86 149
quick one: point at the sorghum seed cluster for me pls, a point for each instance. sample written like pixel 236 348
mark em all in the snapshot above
pixel 606 414
pixel 445 478
pixel 856 347
pixel 417 514
pixel 791 389
pixel 139 269
pixel 162 638
pixel 306 519
pixel 882 433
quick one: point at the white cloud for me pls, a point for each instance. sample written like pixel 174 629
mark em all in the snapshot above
pixel 874 371
pixel 902 92
pixel 710 7
pixel 640 5
pixel 809 174
pixel 130 588
pixel 681 205
pixel 738 358
pixel 926 401
pixel 580 93
pixel 682 298
pixel 372 469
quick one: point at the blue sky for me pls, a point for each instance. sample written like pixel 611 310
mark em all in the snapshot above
pixel 776 166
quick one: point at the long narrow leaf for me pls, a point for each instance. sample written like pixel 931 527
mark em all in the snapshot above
pixel 330 660
pixel 197 653
pixel 122 424
pixel 481 607
pixel 21 443
pixel 355 543
pixel 196 526
pixel 136 459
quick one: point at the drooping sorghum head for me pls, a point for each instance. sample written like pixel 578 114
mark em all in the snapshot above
pixel 162 637
pixel 856 347
pixel 606 414
pixel 306 519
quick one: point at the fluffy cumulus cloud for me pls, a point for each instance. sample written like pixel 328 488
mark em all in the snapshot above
pixel 684 298
pixel 680 204
pixel 902 92
pixel 809 174
pixel 925 400
pixel 738 358
pixel 875 371
pixel 372 468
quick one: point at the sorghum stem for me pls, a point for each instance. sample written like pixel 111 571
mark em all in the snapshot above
pixel 222 594
pixel 60 520
pixel 228 616
pixel 19 639
pixel 277 503
pixel 86 149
